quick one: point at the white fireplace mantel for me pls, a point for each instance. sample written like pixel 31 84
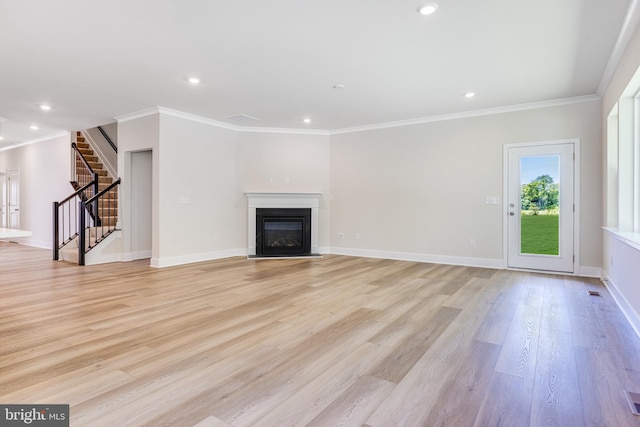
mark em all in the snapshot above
pixel 282 200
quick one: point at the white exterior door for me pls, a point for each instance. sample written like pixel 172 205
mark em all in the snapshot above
pixel 540 211
pixel 13 197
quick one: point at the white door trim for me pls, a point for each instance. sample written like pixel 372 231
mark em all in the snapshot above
pixel 576 192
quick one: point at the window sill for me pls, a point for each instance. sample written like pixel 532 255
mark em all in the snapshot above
pixel 628 237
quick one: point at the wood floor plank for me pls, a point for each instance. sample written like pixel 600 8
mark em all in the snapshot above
pixel 414 346
pixel 506 403
pixel 418 391
pixel 602 392
pixel 335 340
pixel 461 396
pixel 354 406
pixel 519 351
pixel 326 393
pixel 556 394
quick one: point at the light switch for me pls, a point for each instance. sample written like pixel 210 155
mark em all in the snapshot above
pixel 492 200
pixel 184 200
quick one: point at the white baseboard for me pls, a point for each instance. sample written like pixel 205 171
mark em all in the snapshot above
pixel 25 241
pixel 627 309
pixel 410 256
pixel 586 271
pixel 189 259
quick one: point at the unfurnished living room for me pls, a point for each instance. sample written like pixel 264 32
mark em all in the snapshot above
pixel 320 213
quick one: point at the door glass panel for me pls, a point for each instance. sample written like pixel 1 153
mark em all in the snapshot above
pixel 539 205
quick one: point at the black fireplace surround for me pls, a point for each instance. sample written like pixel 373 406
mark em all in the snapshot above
pixel 283 232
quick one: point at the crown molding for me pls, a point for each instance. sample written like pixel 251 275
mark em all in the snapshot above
pixel 137 114
pixel 204 120
pixel 471 113
pixel 626 32
pixel 400 123
pixel 38 139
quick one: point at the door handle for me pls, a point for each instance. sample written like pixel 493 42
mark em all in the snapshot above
pixel 512 213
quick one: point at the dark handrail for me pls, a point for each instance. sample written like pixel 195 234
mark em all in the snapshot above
pixel 103 192
pixel 86 164
pixel 114 146
pixel 77 193
pixel 95 204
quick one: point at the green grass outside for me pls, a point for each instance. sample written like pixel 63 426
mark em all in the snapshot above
pixel 539 234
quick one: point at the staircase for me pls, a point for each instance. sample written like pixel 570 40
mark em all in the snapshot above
pixel 107 212
pixel 90 215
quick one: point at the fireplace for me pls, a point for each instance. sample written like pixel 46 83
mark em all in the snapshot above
pixel 283 232
pixel 292 224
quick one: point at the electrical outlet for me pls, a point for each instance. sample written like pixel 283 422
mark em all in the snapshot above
pixel 357 236
pixel 340 235
pixel 472 242
pixel 272 180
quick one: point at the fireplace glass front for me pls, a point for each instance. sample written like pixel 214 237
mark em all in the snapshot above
pixel 282 232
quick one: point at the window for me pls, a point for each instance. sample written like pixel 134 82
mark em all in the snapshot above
pixel 623 162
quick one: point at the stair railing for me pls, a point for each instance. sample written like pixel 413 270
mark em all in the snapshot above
pixel 99 226
pixel 65 215
pixel 66 218
pixel 104 134
pixel 84 174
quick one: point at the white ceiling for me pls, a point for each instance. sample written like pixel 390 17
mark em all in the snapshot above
pixel 278 60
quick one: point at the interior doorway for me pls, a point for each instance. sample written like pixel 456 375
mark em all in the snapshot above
pixel 13 198
pixel 141 204
pixel 3 200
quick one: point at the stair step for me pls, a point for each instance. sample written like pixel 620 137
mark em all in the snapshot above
pixel 103 185
pixel 82 171
pixel 95 165
pixel 108 220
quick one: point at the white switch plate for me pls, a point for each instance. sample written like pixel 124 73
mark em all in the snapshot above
pixel 184 200
pixel 492 200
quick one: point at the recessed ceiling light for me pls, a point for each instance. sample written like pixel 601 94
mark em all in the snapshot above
pixel 194 80
pixel 428 9
pixel 1 138
pixel 338 86
pixel 34 127
pixel 469 94
pixel 45 107
pixel 307 120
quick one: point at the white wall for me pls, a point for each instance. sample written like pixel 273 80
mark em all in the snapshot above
pixel 201 173
pixel 135 135
pixel 418 192
pixel 103 149
pixel 199 211
pixel 621 258
pixel 44 178
pixel 296 162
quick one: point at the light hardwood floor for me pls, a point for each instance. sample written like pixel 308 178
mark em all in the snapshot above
pixel 320 342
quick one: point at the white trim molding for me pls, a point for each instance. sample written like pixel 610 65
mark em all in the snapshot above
pixel 282 200
pixel 375 126
pixel 418 257
pixel 627 309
